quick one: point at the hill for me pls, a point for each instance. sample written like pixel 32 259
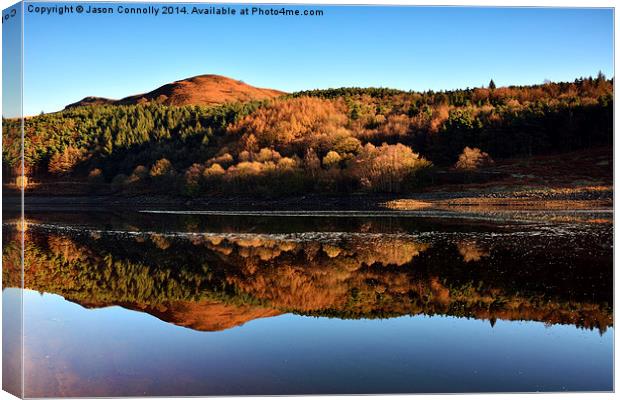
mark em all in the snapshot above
pixel 202 90
pixel 91 101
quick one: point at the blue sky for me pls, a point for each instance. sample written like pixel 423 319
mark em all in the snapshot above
pixel 68 57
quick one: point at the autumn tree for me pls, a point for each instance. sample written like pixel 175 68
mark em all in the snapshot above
pixel 331 159
pixel 472 159
pixel 160 168
pixel 387 168
pixel 312 163
pixel 65 161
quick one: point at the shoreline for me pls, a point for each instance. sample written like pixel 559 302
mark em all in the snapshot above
pixel 578 180
pixel 597 199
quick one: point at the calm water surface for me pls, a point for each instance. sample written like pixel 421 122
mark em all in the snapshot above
pixel 121 304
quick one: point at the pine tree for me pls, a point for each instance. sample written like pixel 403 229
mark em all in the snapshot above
pixel 108 145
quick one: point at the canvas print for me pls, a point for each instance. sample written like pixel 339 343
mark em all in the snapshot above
pixel 207 199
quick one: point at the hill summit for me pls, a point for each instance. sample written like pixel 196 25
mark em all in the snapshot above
pixel 198 90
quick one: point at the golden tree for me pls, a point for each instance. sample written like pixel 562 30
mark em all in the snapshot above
pixel 473 158
pixel 65 161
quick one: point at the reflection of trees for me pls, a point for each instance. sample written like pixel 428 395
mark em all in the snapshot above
pixel 471 251
pixel 232 278
pixel 312 275
pixel 11 256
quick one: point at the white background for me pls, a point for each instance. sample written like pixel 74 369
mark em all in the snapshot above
pixel 528 3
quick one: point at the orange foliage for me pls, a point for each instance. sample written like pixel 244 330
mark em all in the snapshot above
pixel 65 161
pixel 473 158
pixel 310 121
pixel 386 168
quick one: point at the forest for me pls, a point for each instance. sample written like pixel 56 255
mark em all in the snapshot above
pixel 336 140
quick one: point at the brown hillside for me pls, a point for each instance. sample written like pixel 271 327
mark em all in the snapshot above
pixel 91 101
pixel 198 90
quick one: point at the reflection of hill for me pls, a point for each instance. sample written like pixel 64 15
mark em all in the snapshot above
pixel 202 315
pixel 217 281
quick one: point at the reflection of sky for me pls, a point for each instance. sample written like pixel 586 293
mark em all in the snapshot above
pixel 11 341
pixel 11 63
pixel 119 352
